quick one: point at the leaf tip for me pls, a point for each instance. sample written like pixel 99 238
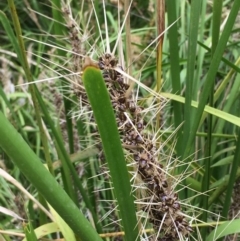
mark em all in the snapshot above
pixel 89 63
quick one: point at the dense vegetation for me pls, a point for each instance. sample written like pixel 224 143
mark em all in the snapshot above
pixel 166 74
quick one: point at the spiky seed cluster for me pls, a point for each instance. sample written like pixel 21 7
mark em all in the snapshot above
pixel 77 43
pixel 163 206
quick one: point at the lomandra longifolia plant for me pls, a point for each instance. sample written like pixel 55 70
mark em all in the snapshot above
pixel 166 193
pixel 159 201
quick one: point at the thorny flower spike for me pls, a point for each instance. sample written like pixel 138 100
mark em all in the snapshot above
pixel 162 204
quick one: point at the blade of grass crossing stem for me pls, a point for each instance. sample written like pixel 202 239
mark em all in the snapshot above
pixel 213 111
pixel 212 73
pixel 59 31
pixel 175 68
pixel 100 102
pixel 30 165
pixel 192 47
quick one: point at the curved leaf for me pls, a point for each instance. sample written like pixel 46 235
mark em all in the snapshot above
pixel 225 161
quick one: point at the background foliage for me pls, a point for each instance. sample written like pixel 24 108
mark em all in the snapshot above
pixel 199 120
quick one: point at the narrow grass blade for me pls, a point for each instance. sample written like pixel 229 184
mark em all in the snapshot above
pixel 10 34
pixel 192 46
pixel 217 10
pixel 64 228
pixel 217 14
pixel 105 119
pixel 175 68
pixel 210 110
pixel 230 227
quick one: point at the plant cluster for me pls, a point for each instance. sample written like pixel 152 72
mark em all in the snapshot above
pixel 198 62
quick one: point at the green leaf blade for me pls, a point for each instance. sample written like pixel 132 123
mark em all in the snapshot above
pixel 104 116
pixel 230 227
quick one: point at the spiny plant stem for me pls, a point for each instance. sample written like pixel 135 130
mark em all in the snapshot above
pixel 160 201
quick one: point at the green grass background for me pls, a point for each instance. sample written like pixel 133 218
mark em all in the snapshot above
pixel 200 75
